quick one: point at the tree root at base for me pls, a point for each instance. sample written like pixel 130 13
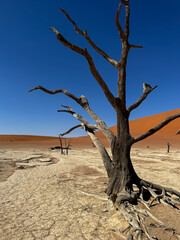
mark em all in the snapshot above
pixel 136 215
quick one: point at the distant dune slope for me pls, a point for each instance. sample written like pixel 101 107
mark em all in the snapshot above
pixel 27 139
pixel 137 127
pixel 142 125
pixel 162 137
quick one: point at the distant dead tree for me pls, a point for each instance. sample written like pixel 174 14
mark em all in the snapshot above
pixel 125 187
pixel 168 147
pixel 66 144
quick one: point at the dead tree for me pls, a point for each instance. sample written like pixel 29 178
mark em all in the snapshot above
pixel 168 147
pixel 66 145
pixel 125 187
pixel 61 146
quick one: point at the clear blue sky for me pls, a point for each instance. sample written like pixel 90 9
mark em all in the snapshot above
pixel 30 55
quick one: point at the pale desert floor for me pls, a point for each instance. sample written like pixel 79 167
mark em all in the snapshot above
pixel 57 197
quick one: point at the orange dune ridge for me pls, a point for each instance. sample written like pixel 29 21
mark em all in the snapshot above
pixel 27 139
pixel 160 138
pixel 137 127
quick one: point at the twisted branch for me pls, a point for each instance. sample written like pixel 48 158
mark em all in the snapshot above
pixel 102 150
pixel 70 130
pixel 85 35
pixel 126 4
pixel 92 67
pixel 146 92
pixel 157 128
pixel 78 117
pixel 121 32
pixel 83 102
pixel 89 128
pixel 124 35
pixel 78 100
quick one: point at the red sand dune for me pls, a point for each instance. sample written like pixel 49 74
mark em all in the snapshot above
pixel 137 127
pixel 12 140
pixel 163 136
pixel 159 139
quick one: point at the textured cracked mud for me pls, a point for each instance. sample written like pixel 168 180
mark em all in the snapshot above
pixel 66 200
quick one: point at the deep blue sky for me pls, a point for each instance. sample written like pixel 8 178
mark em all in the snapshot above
pixel 30 55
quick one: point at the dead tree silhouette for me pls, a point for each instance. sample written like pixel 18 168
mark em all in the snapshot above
pixel 168 147
pixel 65 146
pixel 125 187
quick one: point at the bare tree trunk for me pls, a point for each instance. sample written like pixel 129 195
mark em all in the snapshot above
pixel 122 174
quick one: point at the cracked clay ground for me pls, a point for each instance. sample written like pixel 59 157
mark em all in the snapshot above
pixel 48 201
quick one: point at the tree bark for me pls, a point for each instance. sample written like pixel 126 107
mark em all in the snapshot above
pixel 122 175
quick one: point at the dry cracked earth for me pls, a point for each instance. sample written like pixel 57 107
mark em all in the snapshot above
pixel 58 197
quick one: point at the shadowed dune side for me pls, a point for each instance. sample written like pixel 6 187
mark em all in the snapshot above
pixel 137 127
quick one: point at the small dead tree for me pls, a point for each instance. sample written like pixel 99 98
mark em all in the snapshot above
pixel 125 187
pixel 61 145
pixel 168 147
pixel 66 145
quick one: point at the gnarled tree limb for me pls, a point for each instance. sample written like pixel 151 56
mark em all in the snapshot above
pixel 84 34
pixel 83 102
pixel 79 117
pixel 155 129
pixel 70 130
pixel 126 4
pixel 78 100
pixel 120 30
pixel 90 130
pixel 102 150
pixel 92 67
pixel 124 55
pixel 141 99
pixel 124 35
